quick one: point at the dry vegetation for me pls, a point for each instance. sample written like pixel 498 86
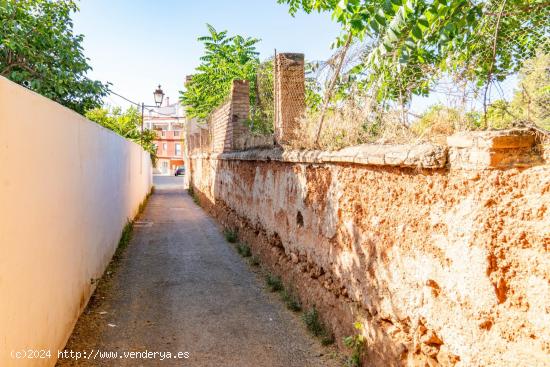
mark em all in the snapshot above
pixel 357 118
pixel 351 125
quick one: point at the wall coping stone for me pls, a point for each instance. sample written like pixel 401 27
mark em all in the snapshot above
pixel 424 155
pixel 499 149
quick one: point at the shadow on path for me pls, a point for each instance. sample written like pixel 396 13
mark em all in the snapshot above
pixel 181 288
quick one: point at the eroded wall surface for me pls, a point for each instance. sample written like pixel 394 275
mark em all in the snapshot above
pixel 67 188
pixel 443 266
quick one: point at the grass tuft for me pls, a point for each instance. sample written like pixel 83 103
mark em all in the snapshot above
pixel 316 326
pixel 125 237
pixel 144 202
pixel 274 283
pixel 193 195
pixel 230 235
pixel 255 261
pixel 244 250
pixel 291 301
pixel 327 339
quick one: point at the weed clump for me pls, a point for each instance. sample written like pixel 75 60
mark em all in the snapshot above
pixel 244 250
pixel 357 344
pixel 274 283
pixel 125 237
pixel 254 261
pixel 230 235
pixel 193 195
pixel 316 326
pixel 144 202
pixel 291 301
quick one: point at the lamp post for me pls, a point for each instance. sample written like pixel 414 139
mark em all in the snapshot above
pixel 159 96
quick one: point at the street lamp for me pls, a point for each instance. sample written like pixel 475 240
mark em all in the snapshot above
pixel 159 96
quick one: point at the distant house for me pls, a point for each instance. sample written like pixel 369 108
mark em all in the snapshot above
pixel 168 121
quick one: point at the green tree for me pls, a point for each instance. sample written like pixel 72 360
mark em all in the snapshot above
pixel 39 50
pixel 531 101
pixel 225 59
pixel 126 124
pixel 411 42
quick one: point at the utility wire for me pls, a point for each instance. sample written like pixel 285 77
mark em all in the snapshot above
pixel 124 98
pixel 139 105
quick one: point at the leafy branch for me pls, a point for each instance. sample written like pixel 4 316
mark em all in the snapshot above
pixel 225 59
pixel 39 50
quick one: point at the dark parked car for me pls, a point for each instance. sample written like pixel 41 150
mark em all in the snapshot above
pixel 180 171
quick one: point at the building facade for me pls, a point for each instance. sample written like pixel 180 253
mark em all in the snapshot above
pixel 168 122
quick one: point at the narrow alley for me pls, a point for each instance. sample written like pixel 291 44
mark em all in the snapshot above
pixel 180 287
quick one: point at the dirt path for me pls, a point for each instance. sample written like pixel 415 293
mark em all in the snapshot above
pixel 181 288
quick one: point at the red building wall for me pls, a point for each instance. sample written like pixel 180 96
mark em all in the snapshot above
pixel 169 138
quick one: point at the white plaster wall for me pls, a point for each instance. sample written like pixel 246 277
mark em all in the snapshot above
pixel 67 188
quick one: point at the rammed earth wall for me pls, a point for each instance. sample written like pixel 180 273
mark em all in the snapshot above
pixel 441 252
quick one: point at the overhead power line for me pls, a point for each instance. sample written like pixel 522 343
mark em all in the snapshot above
pixel 139 105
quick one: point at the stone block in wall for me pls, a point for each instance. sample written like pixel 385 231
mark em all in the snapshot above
pixel 493 149
pixel 289 95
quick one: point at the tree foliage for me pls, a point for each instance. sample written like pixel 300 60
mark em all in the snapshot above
pixel 531 101
pixel 530 105
pixel 39 50
pixel 225 59
pixel 413 41
pixel 126 124
pixel 263 111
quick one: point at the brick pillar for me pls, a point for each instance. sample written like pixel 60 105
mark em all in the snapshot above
pixel 289 95
pixel 240 109
pixel 227 122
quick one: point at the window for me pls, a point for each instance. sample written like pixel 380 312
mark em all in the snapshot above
pixel 164 147
pixel 176 133
pixel 163 133
pixel 178 149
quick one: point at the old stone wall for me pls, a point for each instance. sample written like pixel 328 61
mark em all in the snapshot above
pixel 442 253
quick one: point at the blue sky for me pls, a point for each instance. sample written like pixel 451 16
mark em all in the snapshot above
pixel 138 44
